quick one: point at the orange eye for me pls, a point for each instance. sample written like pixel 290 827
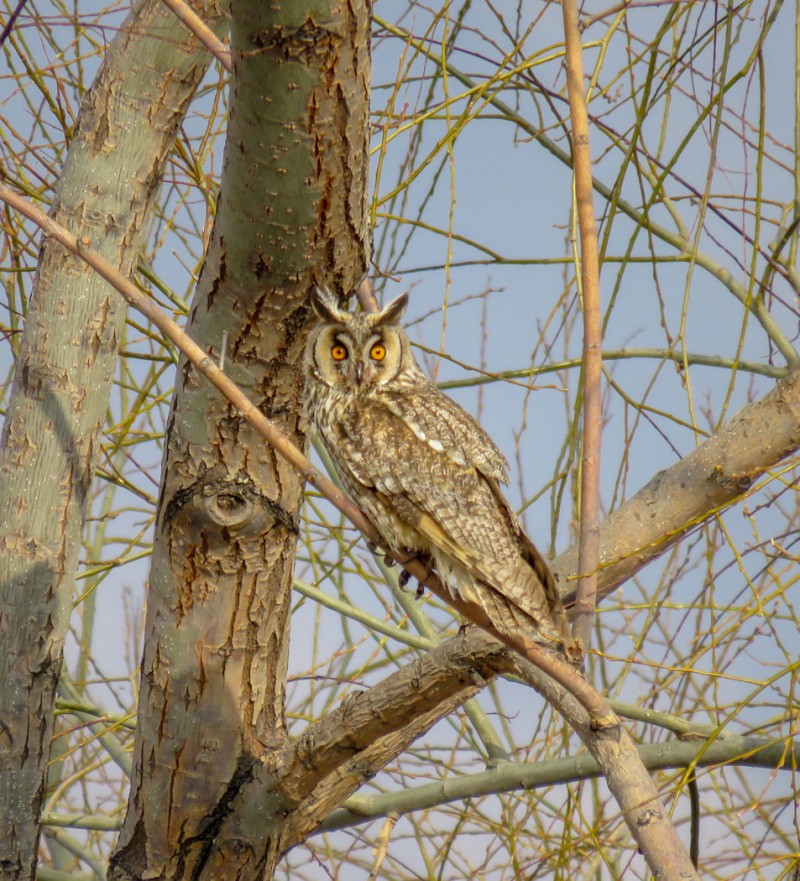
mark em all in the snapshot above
pixel 338 352
pixel 378 352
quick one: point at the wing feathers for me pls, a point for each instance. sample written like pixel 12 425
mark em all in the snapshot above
pixel 449 429
pixel 449 502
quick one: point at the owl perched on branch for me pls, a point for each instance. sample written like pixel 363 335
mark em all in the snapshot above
pixel 421 468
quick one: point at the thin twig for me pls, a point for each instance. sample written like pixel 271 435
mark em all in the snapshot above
pixel 382 848
pixel 589 553
pixel 12 19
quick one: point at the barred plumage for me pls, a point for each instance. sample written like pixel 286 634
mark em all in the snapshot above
pixel 422 469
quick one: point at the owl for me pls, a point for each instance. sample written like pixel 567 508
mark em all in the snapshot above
pixel 423 471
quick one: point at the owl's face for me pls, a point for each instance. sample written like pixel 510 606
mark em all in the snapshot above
pixel 357 352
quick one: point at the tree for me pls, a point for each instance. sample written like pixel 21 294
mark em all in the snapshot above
pixel 220 779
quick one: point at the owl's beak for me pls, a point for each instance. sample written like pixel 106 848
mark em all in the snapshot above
pixel 359 372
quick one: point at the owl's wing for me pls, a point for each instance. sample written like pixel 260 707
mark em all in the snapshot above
pixel 530 553
pixel 519 589
pixel 448 429
pixel 438 472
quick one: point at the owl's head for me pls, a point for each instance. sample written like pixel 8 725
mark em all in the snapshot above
pixel 359 351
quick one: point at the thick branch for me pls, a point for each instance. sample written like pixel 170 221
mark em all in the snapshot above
pixel 514 776
pixel 676 500
pixel 627 778
pixel 457 668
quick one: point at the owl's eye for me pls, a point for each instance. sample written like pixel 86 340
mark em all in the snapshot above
pixel 378 352
pixel 338 352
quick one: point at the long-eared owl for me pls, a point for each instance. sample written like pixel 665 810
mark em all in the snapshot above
pixel 421 468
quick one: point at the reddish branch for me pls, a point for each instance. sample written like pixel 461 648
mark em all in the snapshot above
pixel 202 31
pixel 589 553
pixel 595 705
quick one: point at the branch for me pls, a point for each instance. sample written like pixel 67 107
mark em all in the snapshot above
pixel 202 31
pixel 726 749
pixel 365 716
pixel 680 498
pixel 589 546
pixel 515 776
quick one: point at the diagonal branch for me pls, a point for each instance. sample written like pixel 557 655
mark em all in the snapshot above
pixel 552 664
pixel 457 668
pixel 680 498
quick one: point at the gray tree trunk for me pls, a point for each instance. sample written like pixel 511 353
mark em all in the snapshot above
pixel 292 214
pixel 49 445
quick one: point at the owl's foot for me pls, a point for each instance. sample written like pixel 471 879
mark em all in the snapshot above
pixel 405 577
pixel 378 551
pixel 566 648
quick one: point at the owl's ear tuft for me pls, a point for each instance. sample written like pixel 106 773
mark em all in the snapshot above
pixel 326 305
pixel 392 313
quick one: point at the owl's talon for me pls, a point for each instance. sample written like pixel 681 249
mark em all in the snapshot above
pixel 403 579
pixel 372 547
pixel 420 593
pixel 390 561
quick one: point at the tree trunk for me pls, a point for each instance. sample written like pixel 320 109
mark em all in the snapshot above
pixel 292 214
pixel 65 367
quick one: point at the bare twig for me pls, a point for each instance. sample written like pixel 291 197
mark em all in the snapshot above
pixel 382 848
pixel 586 593
pixel 12 20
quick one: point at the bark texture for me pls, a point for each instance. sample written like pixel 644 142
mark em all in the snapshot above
pixel 50 439
pixel 292 214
